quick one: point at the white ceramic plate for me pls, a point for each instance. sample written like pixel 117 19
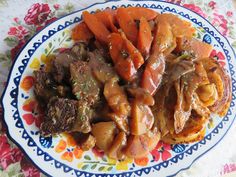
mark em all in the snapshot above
pixel 59 156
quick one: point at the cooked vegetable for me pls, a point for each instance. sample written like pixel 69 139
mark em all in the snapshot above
pixel 134 54
pixel 127 24
pixel 144 37
pixel 193 46
pixel 141 119
pixel 118 144
pixel 141 95
pixel 136 147
pixel 162 43
pixel 107 19
pixel 220 78
pixel 97 27
pixel 104 133
pixel 116 98
pixel 138 12
pixel 125 56
pixel 153 73
pixel 208 94
pixel 81 33
pixel 179 27
pixel 152 137
pixel 121 121
pixel 139 145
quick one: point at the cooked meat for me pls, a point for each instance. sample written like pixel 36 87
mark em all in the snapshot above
pixel 102 70
pixel 60 117
pixel 84 115
pixel 80 50
pixel 84 85
pixel 45 86
pixel 60 66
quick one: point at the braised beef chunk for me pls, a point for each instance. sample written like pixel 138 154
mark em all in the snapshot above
pixel 45 86
pixel 84 85
pixel 60 117
pixel 80 50
pixel 102 70
pixel 61 66
pixel 84 115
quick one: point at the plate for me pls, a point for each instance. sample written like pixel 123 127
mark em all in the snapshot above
pixel 59 155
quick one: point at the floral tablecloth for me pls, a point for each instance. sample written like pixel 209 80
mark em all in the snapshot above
pixel 21 19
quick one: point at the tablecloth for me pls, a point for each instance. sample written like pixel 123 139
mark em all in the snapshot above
pixel 21 19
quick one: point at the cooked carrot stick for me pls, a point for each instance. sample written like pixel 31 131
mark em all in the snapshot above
pixel 81 33
pixel 115 46
pixel 133 52
pixel 200 49
pixel 97 27
pixel 127 24
pixel 144 37
pixel 138 12
pixel 107 19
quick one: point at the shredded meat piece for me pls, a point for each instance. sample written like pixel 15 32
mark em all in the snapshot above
pixel 61 66
pixel 84 85
pixel 60 117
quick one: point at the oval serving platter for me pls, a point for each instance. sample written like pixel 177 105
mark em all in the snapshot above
pixel 59 155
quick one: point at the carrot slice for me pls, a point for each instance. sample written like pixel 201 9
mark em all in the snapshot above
pixel 134 54
pixel 127 24
pixel 153 73
pixel 97 27
pixel 115 46
pixel 125 56
pixel 200 49
pixel 144 37
pixel 125 68
pixel 81 33
pixel 138 12
pixel 107 19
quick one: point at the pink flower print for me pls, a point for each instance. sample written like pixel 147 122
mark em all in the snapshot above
pixel 19 31
pixel 229 13
pixel 221 23
pixel 37 14
pixel 16 19
pixel 212 4
pixel 56 6
pixel 195 9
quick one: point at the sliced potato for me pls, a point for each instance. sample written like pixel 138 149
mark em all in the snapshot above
pixel 142 96
pixel 104 133
pixel 114 151
pixel 136 148
pixel 152 138
pixel 141 119
pixel 121 122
